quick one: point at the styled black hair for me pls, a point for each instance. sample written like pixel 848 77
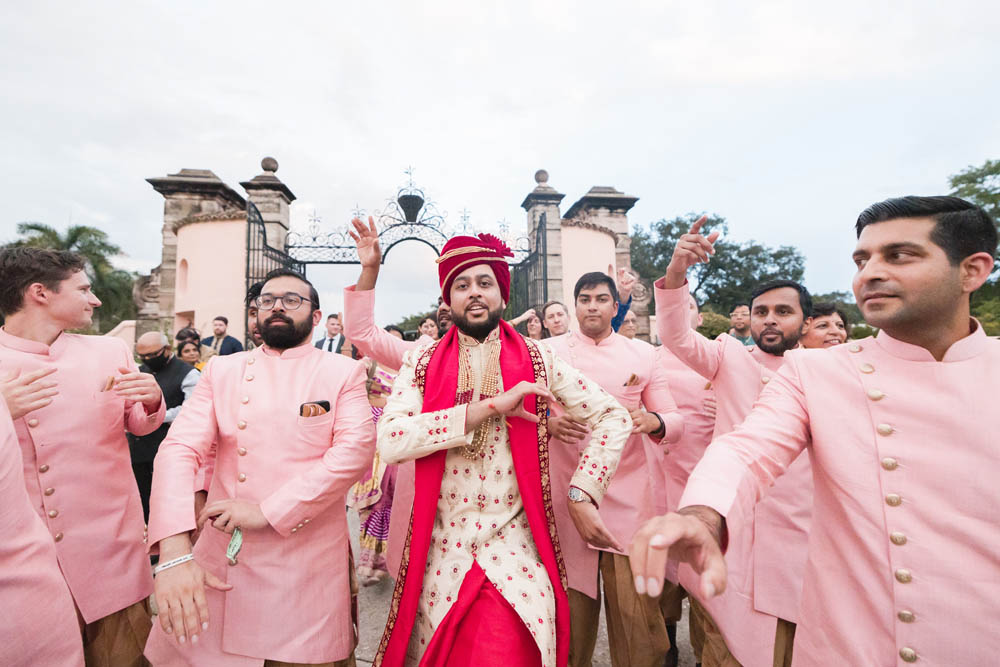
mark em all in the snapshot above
pixel 824 309
pixel 961 228
pixel 333 316
pixel 393 327
pixel 740 304
pixel 253 293
pixel 593 279
pixel 278 273
pixel 805 300
pixel 221 318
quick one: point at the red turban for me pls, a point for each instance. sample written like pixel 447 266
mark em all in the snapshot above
pixel 461 252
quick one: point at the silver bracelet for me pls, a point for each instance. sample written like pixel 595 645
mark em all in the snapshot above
pixel 172 563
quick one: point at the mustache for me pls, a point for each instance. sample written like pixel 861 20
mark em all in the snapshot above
pixel 772 330
pixel 278 316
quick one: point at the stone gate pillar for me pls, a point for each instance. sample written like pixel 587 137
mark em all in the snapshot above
pixel 188 192
pixel 545 199
pixel 272 198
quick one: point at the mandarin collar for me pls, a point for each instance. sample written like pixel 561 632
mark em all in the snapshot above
pixel 469 341
pixel 577 337
pixel 770 361
pixel 30 346
pixel 296 352
pixel 961 350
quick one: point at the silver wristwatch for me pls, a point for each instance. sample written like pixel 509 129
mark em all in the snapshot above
pixel 576 495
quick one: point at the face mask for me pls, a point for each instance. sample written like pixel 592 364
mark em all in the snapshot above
pixel 156 363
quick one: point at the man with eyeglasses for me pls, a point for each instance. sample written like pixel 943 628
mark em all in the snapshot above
pixel 293 431
pixel 177 380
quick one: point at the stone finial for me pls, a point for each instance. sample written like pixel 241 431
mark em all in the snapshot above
pixel 541 177
pixel 269 164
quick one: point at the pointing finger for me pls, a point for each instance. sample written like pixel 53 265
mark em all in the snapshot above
pixel 696 227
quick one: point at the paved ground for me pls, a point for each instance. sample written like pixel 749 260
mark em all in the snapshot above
pixel 374 609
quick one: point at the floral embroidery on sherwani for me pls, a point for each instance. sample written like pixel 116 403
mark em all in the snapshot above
pixel 480 515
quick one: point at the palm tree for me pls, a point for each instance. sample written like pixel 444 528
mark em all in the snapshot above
pixel 112 286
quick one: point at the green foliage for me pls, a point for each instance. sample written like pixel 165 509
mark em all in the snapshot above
pixel 862 331
pixel 411 322
pixel 713 324
pixel 111 285
pixel 734 270
pixel 980 185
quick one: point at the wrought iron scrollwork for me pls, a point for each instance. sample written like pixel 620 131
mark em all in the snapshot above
pixel 409 216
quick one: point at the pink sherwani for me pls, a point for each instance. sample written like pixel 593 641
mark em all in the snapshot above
pixel 291 597
pixel 38 625
pixel 375 342
pixel 903 561
pixel 767 548
pixel 78 471
pixel 629 500
pixel 690 390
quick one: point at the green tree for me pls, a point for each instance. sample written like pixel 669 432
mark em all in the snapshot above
pixel 735 269
pixel 980 185
pixel 411 322
pixel 112 286
pixel 713 324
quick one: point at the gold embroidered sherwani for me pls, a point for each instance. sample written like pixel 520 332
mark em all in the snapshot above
pixel 480 515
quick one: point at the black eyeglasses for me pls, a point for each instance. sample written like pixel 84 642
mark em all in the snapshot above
pixel 153 355
pixel 290 300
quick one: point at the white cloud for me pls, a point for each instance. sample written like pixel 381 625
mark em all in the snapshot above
pixel 786 117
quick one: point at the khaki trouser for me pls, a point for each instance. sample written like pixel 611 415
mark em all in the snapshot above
pixel 715 653
pixel 118 639
pixel 346 662
pixel 784 638
pixel 637 624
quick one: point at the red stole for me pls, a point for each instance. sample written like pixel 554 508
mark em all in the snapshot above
pixel 516 365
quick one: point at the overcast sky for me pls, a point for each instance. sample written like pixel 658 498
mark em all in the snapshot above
pixel 785 117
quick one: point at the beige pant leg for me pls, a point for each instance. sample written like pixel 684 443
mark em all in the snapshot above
pixel 584 619
pixel 637 632
pixel 714 652
pixel 346 662
pixel 784 638
pixel 118 639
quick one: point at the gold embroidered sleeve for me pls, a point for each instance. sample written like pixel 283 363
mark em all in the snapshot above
pixel 404 432
pixel 610 424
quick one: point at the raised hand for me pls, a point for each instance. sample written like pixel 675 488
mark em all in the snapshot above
pixel 366 237
pixel 692 248
pixel 591 526
pixel 625 281
pixel 28 392
pixel 691 536
pixel 138 388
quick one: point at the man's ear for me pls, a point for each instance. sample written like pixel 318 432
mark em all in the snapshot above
pixel 806 323
pixel 317 317
pixel 975 270
pixel 36 293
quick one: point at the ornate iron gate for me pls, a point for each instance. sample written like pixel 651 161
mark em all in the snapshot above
pixel 529 284
pixel 262 258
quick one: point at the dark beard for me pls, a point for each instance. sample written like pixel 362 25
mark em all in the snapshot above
pixel 283 337
pixel 477 330
pixel 779 348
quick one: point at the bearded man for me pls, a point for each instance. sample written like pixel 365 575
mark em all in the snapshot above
pixel 483 582
pixel 293 431
pixel 754 622
pixel 901 430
